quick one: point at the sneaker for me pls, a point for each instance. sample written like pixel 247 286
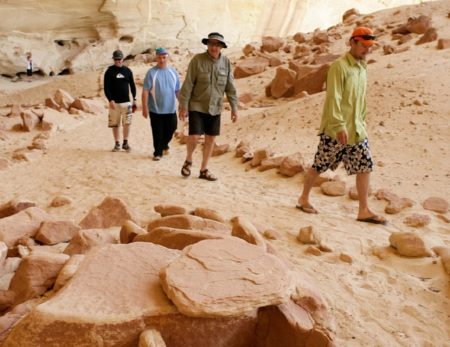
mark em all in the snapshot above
pixel 157 158
pixel 116 148
pixel 126 147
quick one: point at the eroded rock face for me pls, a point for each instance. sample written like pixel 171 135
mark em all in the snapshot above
pixel 87 311
pixel 189 222
pixel 176 238
pixel 111 212
pixel 409 244
pixel 14 206
pixel 23 224
pixel 229 277
pixel 80 36
pixel 36 273
pixel 86 239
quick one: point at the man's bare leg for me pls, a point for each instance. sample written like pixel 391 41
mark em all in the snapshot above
pixel 191 145
pixel 115 131
pixel 207 151
pixel 303 200
pixel 362 186
pixel 126 131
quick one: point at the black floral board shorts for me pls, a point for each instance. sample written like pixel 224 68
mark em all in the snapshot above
pixel 356 158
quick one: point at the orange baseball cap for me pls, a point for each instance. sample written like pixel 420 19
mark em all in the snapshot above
pixel 364 35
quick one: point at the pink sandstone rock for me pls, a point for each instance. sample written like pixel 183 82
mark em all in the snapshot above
pixel 51 233
pixel 409 244
pixel 26 223
pixel 129 231
pixel 320 37
pixel 9 319
pixel 289 325
pixel 271 44
pixel 443 44
pixel 325 58
pixel 250 66
pixel 248 49
pixel 270 163
pixel 14 206
pixel 7 298
pixel 88 105
pixel 418 25
pixel 396 204
pixel 189 222
pixel 429 36
pixel 417 220
pixel 436 204
pixel 51 103
pixel 275 61
pixel 29 120
pixel 208 213
pixel 151 338
pixel 69 269
pixel 245 230
pixel 36 274
pixel 292 165
pixel 229 277
pixel 111 212
pixel 259 156
pixel 242 148
pixel 299 37
pixel 350 13
pixel 60 200
pixel 176 238
pixel 169 210
pixel 86 239
pixel 312 82
pixel 282 84
pixel 220 149
pixel 87 310
pixel 300 69
pixel 333 188
pixel 63 99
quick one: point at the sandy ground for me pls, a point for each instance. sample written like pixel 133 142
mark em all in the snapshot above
pixel 397 301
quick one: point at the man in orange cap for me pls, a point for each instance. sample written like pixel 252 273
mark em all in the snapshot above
pixel 343 135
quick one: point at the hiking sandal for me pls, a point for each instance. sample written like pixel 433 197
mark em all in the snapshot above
pixel 207 175
pixel 186 169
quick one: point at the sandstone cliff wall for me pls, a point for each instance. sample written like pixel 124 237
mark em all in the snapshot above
pixel 80 35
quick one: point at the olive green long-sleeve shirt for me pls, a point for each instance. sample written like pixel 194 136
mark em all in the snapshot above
pixel 345 103
pixel 206 82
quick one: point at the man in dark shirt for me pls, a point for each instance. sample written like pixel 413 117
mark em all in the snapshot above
pixel 118 81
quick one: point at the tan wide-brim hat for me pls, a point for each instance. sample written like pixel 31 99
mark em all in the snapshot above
pixel 217 37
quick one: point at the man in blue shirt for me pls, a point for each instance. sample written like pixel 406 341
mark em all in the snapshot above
pixel 161 87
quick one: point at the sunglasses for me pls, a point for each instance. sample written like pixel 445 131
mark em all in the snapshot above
pixel 215 44
pixel 365 37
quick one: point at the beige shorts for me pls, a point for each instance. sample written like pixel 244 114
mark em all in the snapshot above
pixel 122 112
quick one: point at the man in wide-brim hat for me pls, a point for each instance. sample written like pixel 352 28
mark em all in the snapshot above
pixel 208 78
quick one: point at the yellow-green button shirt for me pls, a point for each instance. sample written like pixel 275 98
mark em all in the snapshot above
pixel 345 103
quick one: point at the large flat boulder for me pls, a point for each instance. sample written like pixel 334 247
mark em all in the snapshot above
pixel 115 296
pixel 228 277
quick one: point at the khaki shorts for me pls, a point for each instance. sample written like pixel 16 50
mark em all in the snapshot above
pixel 122 112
